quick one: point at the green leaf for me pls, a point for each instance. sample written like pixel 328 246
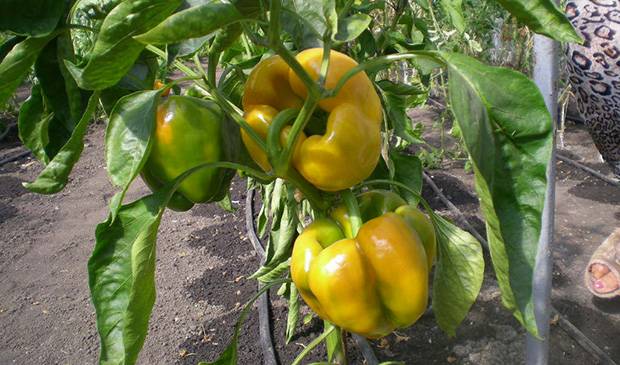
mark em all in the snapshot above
pixel 352 26
pixel 264 213
pixel 333 342
pixel 56 174
pixel 141 77
pixel 61 95
pixel 16 65
pixel 454 10
pixel 293 312
pixel 307 319
pixel 396 107
pixel 115 51
pixel 319 17
pixel 459 273
pixel 197 21
pixel 128 139
pixel 89 14
pixel 308 22
pixel 8 45
pixel 31 17
pixel 226 203
pixel 281 237
pixel 544 17
pixel 121 274
pixel 303 34
pixel 32 124
pixel 408 171
pixel 508 133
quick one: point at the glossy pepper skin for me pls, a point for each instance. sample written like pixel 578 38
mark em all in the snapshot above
pixel 375 203
pixel 349 150
pixel 190 132
pixel 370 284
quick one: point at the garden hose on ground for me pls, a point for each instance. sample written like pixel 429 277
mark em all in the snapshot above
pixel 269 355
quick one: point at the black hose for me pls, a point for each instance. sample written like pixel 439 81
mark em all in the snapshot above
pixel 15 157
pixel 269 354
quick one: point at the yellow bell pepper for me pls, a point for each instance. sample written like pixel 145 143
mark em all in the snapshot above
pixel 370 284
pixel 349 150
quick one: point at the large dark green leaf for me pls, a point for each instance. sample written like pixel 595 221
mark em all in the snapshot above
pixel 454 10
pixel 408 170
pixel 352 26
pixel 8 45
pixel 121 274
pixel 195 22
pixel 89 14
pixel 33 124
pixel 115 50
pixel 309 21
pixel 128 139
pixel 61 94
pixel 544 17
pixel 459 273
pixel 56 174
pixel 17 63
pixel 397 99
pixel 31 17
pixel 507 132
pixel 48 117
pixel 141 77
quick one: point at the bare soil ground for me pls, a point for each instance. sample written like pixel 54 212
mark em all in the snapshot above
pixel 204 258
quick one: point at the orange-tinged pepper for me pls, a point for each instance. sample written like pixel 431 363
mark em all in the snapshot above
pixel 349 150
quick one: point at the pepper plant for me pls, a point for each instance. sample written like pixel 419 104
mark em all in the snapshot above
pixel 296 97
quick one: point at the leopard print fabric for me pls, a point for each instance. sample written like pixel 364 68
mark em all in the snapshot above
pixel 594 72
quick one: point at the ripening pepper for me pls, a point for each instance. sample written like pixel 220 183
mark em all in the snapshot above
pixel 348 151
pixel 369 284
pixel 190 132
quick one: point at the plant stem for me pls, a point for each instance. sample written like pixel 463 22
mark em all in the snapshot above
pixel 274 148
pixel 213 60
pixel 287 56
pixel 298 126
pixel 179 65
pixel 327 41
pixel 274 21
pixel 231 109
pixel 311 346
pixel 276 44
pixel 377 62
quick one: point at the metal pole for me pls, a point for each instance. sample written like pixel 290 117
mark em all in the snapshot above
pixel 545 75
